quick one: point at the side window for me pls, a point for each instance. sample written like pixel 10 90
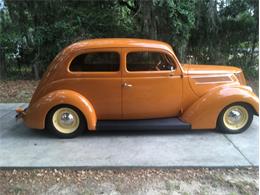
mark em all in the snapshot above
pixel 96 62
pixel 149 61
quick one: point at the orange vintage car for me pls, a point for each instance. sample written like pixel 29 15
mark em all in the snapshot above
pixel 137 84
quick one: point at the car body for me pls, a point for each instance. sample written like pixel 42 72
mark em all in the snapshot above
pixel 130 80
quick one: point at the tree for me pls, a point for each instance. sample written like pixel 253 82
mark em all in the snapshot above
pixel 228 35
pixel 213 31
pixel 168 20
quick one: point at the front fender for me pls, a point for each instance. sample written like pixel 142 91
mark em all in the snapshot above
pixel 36 114
pixel 203 114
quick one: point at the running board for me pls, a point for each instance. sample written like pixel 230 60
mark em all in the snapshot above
pixel 147 124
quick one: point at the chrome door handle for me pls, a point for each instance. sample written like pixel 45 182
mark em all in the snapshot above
pixel 127 85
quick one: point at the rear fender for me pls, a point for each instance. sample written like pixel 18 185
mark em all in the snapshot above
pixel 36 114
pixel 203 114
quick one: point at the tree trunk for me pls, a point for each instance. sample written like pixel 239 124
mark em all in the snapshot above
pixel 3 72
pixel 143 12
pixel 149 27
pixel 253 49
pixel 36 71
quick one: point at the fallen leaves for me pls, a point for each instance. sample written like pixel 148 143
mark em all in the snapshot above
pixel 131 181
pixel 17 91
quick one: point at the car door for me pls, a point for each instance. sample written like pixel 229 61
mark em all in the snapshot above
pixel 151 84
pixel 96 74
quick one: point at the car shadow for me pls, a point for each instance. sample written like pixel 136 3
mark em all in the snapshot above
pixel 137 132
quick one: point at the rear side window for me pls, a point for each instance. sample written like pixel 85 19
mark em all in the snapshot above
pixel 96 62
pixel 148 61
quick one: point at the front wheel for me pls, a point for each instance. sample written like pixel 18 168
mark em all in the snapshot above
pixel 235 118
pixel 65 121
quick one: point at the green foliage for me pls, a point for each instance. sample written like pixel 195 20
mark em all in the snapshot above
pixel 39 35
pixel 213 31
pixel 229 35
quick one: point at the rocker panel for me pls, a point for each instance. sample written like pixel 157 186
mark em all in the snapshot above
pixel 146 124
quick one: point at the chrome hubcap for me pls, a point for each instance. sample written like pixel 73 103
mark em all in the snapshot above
pixel 234 116
pixel 67 118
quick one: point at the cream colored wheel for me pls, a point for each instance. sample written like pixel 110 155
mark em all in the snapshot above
pixel 65 120
pixel 235 118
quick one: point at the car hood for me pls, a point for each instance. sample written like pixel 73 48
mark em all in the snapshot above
pixel 198 69
pixel 202 78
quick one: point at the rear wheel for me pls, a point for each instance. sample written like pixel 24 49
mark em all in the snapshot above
pixel 65 121
pixel 235 118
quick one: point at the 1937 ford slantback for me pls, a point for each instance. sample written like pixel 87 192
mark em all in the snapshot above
pixel 137 84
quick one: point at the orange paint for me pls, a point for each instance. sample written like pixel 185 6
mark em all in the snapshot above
pixel 195 93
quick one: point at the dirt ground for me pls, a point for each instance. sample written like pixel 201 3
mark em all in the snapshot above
pixel 17 91
pixel 199 181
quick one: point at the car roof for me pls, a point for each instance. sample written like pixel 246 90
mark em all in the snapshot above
pixel 119 42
